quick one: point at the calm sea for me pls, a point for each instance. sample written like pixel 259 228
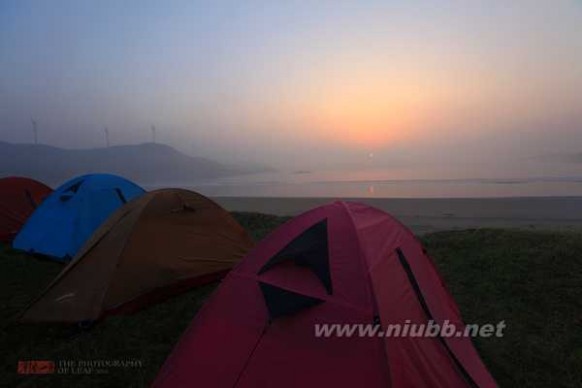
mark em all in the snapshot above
pixel 377 184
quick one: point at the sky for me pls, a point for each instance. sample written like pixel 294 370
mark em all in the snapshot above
pixel 479 87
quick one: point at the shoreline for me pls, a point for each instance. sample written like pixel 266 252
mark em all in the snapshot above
pixel 428 215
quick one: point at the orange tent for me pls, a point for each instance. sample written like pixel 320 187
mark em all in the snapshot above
pixel 161 243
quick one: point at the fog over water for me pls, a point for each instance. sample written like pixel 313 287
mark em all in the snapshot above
pixel 336 97
pixel 360 184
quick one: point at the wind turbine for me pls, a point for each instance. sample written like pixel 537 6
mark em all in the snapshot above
pixel 34 131
pixel 106 130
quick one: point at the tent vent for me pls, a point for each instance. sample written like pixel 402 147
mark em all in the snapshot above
pixel 74 187
pixel 120 195
pixel 429 316
pixel 281 302
pixel 30 199
pixel 310 249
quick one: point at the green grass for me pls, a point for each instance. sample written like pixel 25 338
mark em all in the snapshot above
pixel 532 280
pixel 257 224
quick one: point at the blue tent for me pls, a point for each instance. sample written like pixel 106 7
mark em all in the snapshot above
pixel 68 217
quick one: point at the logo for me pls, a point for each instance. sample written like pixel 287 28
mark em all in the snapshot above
pixel 36 367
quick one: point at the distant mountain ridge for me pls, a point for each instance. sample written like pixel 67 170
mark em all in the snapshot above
pixel 575 157
pixel 147 163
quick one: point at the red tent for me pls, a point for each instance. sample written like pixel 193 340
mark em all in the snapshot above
pixel 344 263
pixel 18 199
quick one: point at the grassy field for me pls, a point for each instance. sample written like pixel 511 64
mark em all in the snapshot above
pixel 532 280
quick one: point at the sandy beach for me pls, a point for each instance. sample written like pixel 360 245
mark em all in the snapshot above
pixel 430 215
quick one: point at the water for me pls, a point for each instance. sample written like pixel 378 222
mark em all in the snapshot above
pixel 382 184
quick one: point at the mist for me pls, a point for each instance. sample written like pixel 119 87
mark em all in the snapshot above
pixel 428 89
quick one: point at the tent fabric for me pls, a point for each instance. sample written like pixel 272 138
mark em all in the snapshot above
pixel 159 244
pixel 258 328
pixel 19 197
pixel 68 217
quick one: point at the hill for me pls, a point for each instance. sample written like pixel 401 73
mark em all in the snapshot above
pixel 147 163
